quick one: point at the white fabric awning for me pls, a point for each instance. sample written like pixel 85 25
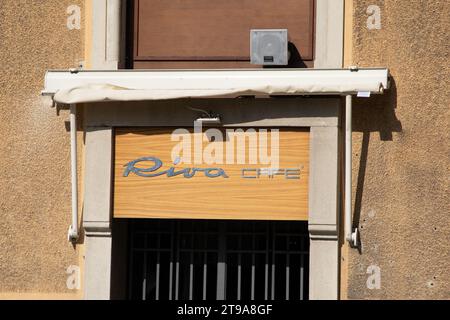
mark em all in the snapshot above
pixel 72 87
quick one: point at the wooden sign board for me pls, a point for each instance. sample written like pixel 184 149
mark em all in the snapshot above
pixel 227 191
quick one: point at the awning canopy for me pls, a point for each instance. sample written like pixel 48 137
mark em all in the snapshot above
pixel 72 87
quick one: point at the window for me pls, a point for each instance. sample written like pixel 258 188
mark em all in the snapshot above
pixel 217 259
pixel 215 34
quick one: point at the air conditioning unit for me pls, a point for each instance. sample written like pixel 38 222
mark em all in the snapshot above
pixel 269 46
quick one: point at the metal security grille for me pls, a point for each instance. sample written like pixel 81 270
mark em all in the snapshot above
pixel 216 260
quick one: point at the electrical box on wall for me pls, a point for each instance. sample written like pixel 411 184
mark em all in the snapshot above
pixel 269 46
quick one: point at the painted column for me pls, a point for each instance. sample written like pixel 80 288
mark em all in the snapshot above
pixel 323 218
pixel 324 196
pixel 105 55
pixel 329 34
pixel 97 213
pixel 106 21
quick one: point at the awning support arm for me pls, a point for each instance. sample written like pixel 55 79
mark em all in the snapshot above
pixel 73 229
pixel 351 235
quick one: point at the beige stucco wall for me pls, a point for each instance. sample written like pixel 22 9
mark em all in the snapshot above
pixel 34 150
pixel 401 156
pixel 401 151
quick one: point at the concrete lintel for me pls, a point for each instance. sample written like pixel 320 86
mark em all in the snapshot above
pixel 296 112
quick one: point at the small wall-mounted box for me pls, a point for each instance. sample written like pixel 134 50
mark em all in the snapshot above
pixel 269 46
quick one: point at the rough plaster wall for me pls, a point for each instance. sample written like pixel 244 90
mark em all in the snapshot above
pixel 402 151
pixel 34 147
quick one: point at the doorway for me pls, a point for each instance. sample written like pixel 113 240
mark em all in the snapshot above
pixel 218 260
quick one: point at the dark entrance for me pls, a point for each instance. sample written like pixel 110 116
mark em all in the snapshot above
pixel 215 260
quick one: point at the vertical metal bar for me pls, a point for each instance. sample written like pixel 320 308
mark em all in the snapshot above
pixel 273 264
pixel 130 271
pixel 158 255
pixel 253 268
pixel 177 266
pixel 172 231
pixel 191 274
pixel 221 264
pixel 205 272
pixel 144 279
pixel 205 264
pixel 239 280
pixel 266 267
pixel 301 276
pixel 287 269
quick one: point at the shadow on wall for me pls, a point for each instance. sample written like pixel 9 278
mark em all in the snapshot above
pixel 374 115
pixel 295 59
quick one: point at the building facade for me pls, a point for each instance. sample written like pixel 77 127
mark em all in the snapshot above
pixel 139 245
